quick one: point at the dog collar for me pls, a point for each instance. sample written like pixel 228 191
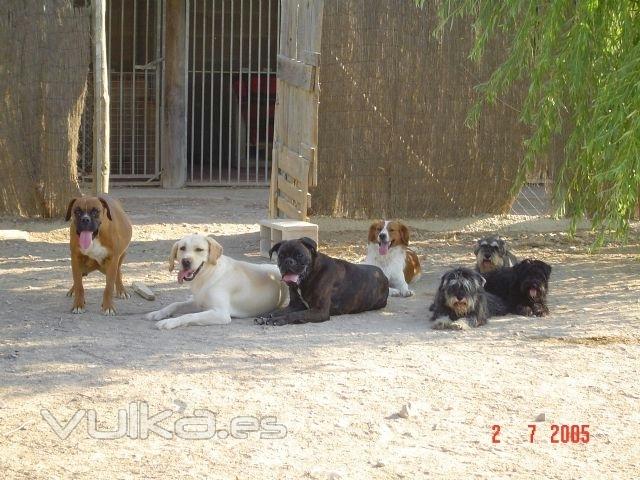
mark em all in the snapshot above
pixel 302 298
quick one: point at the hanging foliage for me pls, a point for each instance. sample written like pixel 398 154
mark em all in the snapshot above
pixel 581 61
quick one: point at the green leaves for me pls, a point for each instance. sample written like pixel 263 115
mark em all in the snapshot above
pixel 581 61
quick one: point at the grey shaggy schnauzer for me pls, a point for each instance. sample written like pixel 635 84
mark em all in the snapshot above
pixel 461 294
pixel 492 254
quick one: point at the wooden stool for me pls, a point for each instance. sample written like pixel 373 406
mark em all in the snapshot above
pixel 275 230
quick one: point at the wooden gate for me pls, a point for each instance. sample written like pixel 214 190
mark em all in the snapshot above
pixel 294 167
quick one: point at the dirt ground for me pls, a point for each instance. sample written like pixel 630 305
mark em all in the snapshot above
pixel 337 386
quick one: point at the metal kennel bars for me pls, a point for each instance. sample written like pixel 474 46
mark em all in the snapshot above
pixel 231 91
pixel 134 52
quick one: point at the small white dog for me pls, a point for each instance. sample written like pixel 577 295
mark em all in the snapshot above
pixel 223 288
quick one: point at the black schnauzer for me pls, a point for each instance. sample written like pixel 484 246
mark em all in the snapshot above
pixel 491 254
pixel 461 294
pixel 523 287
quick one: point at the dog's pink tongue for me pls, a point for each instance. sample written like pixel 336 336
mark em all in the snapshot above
pixel 533 292
pixel 85 239
pixel 383 249
pixel 290 278
pixel 182 274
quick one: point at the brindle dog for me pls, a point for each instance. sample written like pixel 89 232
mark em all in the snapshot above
pixel 321 286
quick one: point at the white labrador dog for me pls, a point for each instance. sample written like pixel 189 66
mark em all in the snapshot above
pixel 223 288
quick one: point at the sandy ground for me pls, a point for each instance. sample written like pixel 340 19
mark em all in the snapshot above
pixel 336 387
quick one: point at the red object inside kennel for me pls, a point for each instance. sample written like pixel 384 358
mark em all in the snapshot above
pixel 257 93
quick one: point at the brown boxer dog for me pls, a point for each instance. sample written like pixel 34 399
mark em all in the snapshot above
pixel 321 286
pixel 99 236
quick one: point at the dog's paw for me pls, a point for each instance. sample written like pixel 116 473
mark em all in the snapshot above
pixel 394 292
pixel 524 310
pixel 447 324
pixel 123 294
pixel 478 322
pixel 109 311
pixel 475 322
pixel 541 312
pixel 155 316
pixel 278 321
pixel 77 310
pixel 264 320
pixel 168 324
pixel 269 320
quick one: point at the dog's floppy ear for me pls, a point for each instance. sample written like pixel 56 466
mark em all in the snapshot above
pixel 373 230
pixel 215 250
pixel 404 234
pixel 105 204
pixel 546 268
pixel 311 245
pixel 443 279
pixel 275 248
pixel 477 248
pixel 173 255
pixel 502 246
pixel 67 217
pixel 478 279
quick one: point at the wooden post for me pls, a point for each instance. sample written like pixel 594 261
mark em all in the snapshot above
pixel 100 99
pixel 174 120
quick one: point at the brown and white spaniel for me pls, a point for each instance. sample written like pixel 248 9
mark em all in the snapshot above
pixel 388 249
